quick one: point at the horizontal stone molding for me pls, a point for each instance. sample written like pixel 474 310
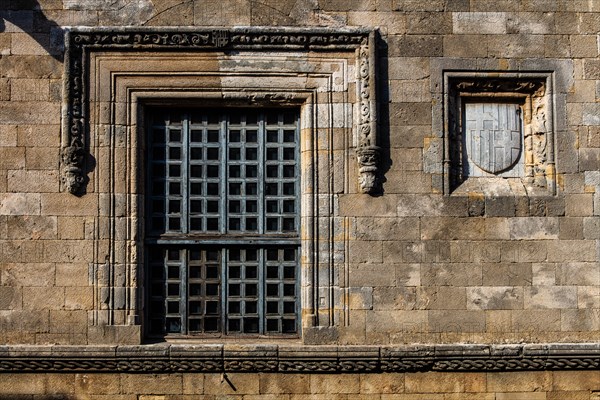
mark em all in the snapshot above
pixel 81 41
pixel 173 358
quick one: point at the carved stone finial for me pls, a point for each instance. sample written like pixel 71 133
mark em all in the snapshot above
pixel 368 162
pixel 72 171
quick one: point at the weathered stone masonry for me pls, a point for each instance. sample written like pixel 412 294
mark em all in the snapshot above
pixel 437 261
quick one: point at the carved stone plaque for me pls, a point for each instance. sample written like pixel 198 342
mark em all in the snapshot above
pixel 493 136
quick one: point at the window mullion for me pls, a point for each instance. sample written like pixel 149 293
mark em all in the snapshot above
pixel 261 292
pixel 185 173
pixel 298 185
pixel 261 220
pixel 224 256
pixel 261 172
pixel 224 161
pixel 223 145
pixel 185 204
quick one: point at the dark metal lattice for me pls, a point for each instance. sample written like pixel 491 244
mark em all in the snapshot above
pixel 223 222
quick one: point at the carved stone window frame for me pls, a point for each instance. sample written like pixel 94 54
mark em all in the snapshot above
pixel 113 74
pixel 534 92
pixel 80 42
pixel 557 74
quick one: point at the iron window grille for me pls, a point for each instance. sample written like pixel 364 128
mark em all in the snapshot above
pixel 222 222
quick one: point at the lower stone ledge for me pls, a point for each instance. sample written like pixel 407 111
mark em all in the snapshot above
pixel 169 358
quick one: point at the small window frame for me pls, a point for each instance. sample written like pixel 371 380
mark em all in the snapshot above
pixel 535 92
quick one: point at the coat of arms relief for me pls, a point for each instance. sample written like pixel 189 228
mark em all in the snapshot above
pixel 499 128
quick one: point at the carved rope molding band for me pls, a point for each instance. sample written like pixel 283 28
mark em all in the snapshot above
pixel 79 42
pixel 165 358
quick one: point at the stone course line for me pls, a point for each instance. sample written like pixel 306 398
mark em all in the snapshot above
pixel 306 359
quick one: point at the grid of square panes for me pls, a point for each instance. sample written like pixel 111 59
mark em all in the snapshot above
pixel 281 289
pixel 243 291
pixel 167 172
pixel 205 164
pixel 214 174
pixel 244 156
pixel 204 291
pixel 281 183
pixel 186 290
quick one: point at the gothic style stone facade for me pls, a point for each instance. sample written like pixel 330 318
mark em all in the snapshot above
pixel 387 199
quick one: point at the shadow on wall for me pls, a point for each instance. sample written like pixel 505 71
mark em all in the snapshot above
pixel 27 17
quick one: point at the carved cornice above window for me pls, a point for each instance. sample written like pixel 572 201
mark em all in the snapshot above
pixel 80 42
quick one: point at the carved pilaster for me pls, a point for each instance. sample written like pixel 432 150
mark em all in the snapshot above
pixel 539 139
pixel 368 154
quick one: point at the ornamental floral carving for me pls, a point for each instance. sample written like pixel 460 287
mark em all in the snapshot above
pixel 79 43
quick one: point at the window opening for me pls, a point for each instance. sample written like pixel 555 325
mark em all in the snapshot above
pixel 223 222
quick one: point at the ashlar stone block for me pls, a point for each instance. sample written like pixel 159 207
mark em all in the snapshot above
pixel 543 274
pixel 240 383
pixel 535 23
pixel 10 298
pixel 382 383
pixel 449 274
pixel 568 250
pixel 533 228
pixel 550 297
pixel 445 382
pixel 495 298
pixel 416 46
pixel 458 321
pixel 395 298
pixel 580 320
pixel 386 228
pixel 20 204
pixel 152 383
pixel 36 181
pixel 528 381
pixel 338 384
pixel 578 273
pixel 441 298
pixel 26 384
pixel 372 275
pixel 32 227
pixel 479 22
pixel 43 298
pixel 527 322
pixel 284 383
pixel 574 380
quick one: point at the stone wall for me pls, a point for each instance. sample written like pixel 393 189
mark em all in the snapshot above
pixel 557 385
pixel 432 258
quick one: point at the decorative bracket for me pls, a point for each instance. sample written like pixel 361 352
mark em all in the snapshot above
pixel 81 41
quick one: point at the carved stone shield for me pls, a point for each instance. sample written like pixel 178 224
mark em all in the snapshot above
pixel 493 136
